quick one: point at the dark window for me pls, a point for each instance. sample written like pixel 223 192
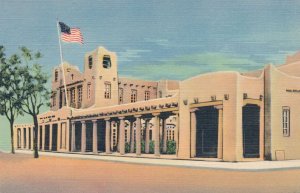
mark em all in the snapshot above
pixel 286 121
pixel 121 95
pixel 147 95
pixel 133 95
pixel 89 90
pixel 160 94
pixel 106 61
pixel 107 90
pixel 90 62
pixel 56 76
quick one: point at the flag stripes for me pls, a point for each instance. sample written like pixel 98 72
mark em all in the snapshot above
pixel 74 36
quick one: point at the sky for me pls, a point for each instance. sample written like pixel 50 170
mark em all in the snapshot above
pixel 156 39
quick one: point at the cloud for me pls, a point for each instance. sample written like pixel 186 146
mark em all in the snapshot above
pixel 185 66
pixel 130 54
pixel 159 42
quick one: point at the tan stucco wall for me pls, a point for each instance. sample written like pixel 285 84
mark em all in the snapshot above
pixel 280 82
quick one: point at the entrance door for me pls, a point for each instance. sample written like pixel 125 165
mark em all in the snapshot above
pixel 251 124
pixel 101 135
pixel 54 137
pixel 207 132
pixel 89 136
pixel 78 136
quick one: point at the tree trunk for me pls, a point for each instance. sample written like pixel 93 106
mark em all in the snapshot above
pixel 35 137
pixel 12 137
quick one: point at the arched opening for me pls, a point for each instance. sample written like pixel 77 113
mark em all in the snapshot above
pixel 251 125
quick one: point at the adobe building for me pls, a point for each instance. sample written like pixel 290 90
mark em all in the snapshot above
pixel 220 116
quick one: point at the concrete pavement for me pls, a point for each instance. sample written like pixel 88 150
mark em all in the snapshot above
pixel 242 166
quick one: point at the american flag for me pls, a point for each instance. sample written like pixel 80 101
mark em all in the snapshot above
pixel 72 35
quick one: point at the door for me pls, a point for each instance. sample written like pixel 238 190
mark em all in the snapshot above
pixel 251 124
pixel 207 119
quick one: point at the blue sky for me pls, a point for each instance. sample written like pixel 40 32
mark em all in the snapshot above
pixel 157 39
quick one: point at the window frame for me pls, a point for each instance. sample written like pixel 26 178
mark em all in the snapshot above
pixel 90 62
pixel 286 121
pixel 147 95
pixel 133 96
pixel 107 90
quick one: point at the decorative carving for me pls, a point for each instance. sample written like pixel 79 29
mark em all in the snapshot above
pixel 226 97
pixel 185 101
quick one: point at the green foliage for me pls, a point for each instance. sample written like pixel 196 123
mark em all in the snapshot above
pixel 22 87
pixel 171 147
pixel 151 146
pixel 127 147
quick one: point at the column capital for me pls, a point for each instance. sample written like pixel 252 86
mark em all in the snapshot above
pixel 155 114
pixel 137 116
pixel 121 118
pixel 94 121
pixel 73 122
pixel 175 112
pixel 82 122
pixel 193 110
pixel 219 107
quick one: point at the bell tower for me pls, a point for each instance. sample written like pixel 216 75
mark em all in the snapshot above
pixel 101 78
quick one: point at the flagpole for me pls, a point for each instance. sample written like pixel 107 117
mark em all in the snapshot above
pixel 61 64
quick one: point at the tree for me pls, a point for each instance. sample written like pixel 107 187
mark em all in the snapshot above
pixel 35 93
pixel 10 89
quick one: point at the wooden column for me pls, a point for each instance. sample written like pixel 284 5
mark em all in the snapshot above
pixel 22 138
pixel 50 137
pixel 131 136
pixel 220 131
pixel 73 147
pixel 43 137
pixel 147 140
pixel 122 135
pixel 156 135
pixel 27 138
pixel 95 137
pixel 32 137
pixel 176 131
pixel 67 145
pixel 83 136
pixel 59 137
pixel 38 137
pixel 193 132
pixel 107 136
pixel 138 135
pixel 164 128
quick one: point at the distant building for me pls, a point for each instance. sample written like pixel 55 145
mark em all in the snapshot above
pixel 227 116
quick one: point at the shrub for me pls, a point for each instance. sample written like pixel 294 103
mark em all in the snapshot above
pixel 127 147
pixel 171 147
pixel 151 146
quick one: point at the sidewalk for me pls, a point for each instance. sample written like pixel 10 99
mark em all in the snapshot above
pixel 240 166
